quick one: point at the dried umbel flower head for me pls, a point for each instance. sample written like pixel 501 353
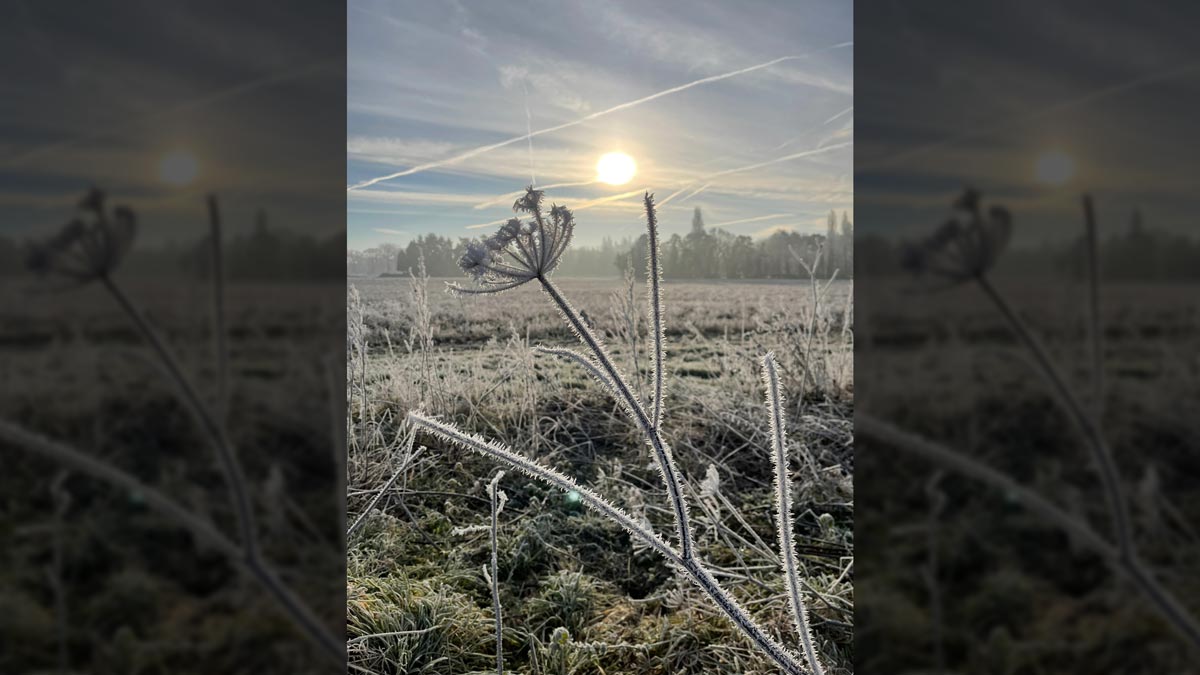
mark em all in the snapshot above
pixel 89 247
pixel 961 250
pixel 519 251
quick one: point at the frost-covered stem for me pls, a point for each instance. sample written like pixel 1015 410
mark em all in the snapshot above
pixel 219 331
pixel 692 568
pixel 199 527
pixel 497 498
pixel 653 280
pixel 1097 323
pixel 234 478
pixel 1094 438
pixel 585 362
pixel 783 515
pixel 556 478
pixel 1129 566
pixel 362 517
pixel 662 452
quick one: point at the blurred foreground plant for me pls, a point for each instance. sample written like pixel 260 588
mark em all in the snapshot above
pixel 90 248
pixel 964 252
pixel 523 252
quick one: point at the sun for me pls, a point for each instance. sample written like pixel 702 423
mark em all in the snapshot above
pixel 615 168
pixel 178 168
pixel 1054 167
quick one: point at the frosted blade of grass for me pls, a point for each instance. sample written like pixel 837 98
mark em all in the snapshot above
pixel 653 281
pixel 405 458
pixel 783 512
pixel 497 498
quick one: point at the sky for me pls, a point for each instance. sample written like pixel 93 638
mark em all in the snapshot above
pixel 953 93
pixel 101 93
pixel 431 81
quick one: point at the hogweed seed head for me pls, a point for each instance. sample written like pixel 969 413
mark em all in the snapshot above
pixel 88 247
pixel 963 248
pixel 519 251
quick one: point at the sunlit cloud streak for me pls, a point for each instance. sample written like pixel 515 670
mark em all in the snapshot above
pixel 751 167
pixel 587 118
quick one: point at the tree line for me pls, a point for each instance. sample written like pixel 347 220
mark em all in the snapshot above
pixel 703 253
pixel 1138 253
pixel 265 253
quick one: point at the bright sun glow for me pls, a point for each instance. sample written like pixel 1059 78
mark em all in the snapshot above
pixel 1054 167
pixel 615 168
pixel 178 168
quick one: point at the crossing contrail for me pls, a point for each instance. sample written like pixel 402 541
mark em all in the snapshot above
pixel 586 118
pixel 513 195
pixel 759 165
pixel 578 207
pixel 773 216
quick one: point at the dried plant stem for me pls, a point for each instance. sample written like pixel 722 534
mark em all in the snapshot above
pixel 1129 566
pixel 662 452
pixel 497 498
pixel 1101 454
pixel 653 281
pixel 199 527
pixel 1097 322
pixel 218 301
pixel 783 512
pixel 690 567
pixel 405 458
pixel 234 478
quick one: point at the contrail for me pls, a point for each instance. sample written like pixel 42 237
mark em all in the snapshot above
pixel 529 132
pixel 753 220
pixel 759 165
pixel 511 195
pixel 207 99
pixel 578 207
pixel 844 112
pixel 586 118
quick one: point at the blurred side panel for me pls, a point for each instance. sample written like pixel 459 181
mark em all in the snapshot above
pixel 172 226
pixel 1027 261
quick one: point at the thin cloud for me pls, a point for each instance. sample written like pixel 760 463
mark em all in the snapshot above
pixel 773 216
pixel 750 167
pixel 578 207
pixel 587 118
pixel 513 195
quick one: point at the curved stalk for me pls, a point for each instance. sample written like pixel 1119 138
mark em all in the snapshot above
pixel 662 452
pixel 690 567
pixel 1101 454
pixel 235 480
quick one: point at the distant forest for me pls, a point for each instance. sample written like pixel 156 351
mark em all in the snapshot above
pixel 703 253
pixel 264 254
pixel 1139 253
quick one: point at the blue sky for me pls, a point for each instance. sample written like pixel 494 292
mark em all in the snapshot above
pixel 430 81
pixel 954 93
pixel 99 93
